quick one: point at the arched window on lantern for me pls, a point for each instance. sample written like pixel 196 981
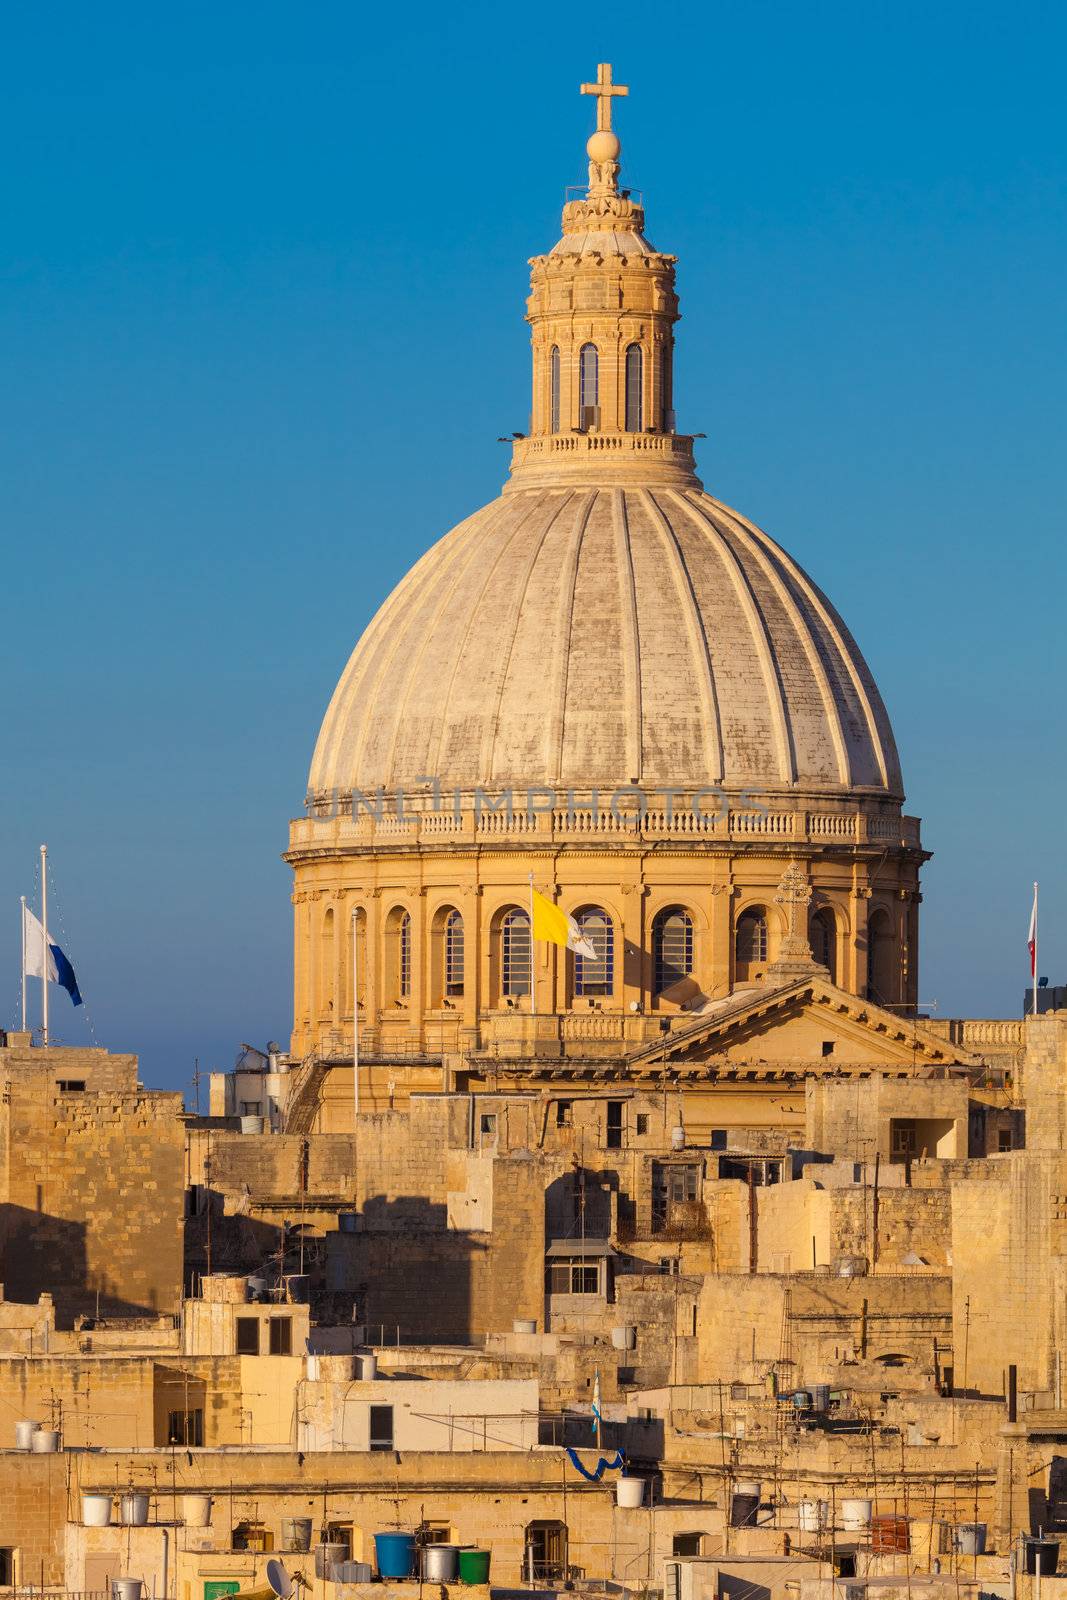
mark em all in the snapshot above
pixel 515 963
pixel 672 948
pixel 666 386
pixel 589 386
pixel 634 379
pixel 553 380
pixel 595 975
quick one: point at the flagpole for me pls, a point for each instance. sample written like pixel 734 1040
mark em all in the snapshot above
pixel 1034 978
pixel 355 1022
pixel 533 964
pixel 23 900
pixel 44 945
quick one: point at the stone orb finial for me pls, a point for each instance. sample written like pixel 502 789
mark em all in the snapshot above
pixel 603 146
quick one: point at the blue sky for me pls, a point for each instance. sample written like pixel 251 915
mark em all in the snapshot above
pixel 261 295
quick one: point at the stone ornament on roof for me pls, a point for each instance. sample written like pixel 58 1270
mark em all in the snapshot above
pixel 794 896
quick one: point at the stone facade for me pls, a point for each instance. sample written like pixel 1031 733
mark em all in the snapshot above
pixel 91 1180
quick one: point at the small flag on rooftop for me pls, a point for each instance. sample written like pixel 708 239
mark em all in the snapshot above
pixel 43 958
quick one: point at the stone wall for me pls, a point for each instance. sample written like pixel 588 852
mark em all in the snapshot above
pixel 33 1513
pixel 91 1186
pixel 1009 1241
pixel 803 1328
pixel 412 1276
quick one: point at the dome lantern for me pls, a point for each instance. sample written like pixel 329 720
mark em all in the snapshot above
pixel 602 309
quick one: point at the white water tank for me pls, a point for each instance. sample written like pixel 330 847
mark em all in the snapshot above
pixel 125 1589
pixel 96 1510
pixel 196 1510
pixel 24 1432
pixel 45 1442
pixel 624 1338
pixel 855 1514
pixel 253 1124
pixel 813 1516
pixel 678 1138
pixel 629 1492
pixel 368 1367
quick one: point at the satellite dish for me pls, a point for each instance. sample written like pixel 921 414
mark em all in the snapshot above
pixel 279 1579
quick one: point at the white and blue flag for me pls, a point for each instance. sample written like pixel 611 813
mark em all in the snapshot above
pixel 44 959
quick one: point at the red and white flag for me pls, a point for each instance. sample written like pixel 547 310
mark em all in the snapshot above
pixel 1031 938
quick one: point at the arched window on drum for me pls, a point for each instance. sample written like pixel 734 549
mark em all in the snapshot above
pixel 453 954
pixel 672 948
pixel 823 936
pixel 595 975
pixel 327 964
pixel 398 953
pixel 882 979
pixel 750 943
pixel 589 386
pixel 515 954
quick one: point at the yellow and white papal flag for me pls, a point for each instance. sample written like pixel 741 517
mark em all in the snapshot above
pixel 554 926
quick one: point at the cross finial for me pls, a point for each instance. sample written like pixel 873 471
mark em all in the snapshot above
pixel 605 92
pixel 602 147
pixel 794 896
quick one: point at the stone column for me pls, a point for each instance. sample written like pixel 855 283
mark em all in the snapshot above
pixel 420 960
pixel 372 978
pixel 301 941
pixel 854 976
pixel 474 977
pixel 718 960
pixel 635 982
pixel 340 940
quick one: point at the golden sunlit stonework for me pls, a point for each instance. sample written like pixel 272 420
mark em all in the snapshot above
pixel 610 684
pixel 694 1265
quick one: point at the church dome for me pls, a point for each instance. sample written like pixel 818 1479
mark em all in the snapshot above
pixel 594 636
pixel 605 621
pixel 609 690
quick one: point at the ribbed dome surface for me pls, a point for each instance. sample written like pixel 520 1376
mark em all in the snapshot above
pixel 589 637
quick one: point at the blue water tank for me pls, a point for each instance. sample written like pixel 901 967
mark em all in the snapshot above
pixel 396 1554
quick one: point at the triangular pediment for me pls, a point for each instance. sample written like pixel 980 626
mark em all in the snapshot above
pixel 805 1025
